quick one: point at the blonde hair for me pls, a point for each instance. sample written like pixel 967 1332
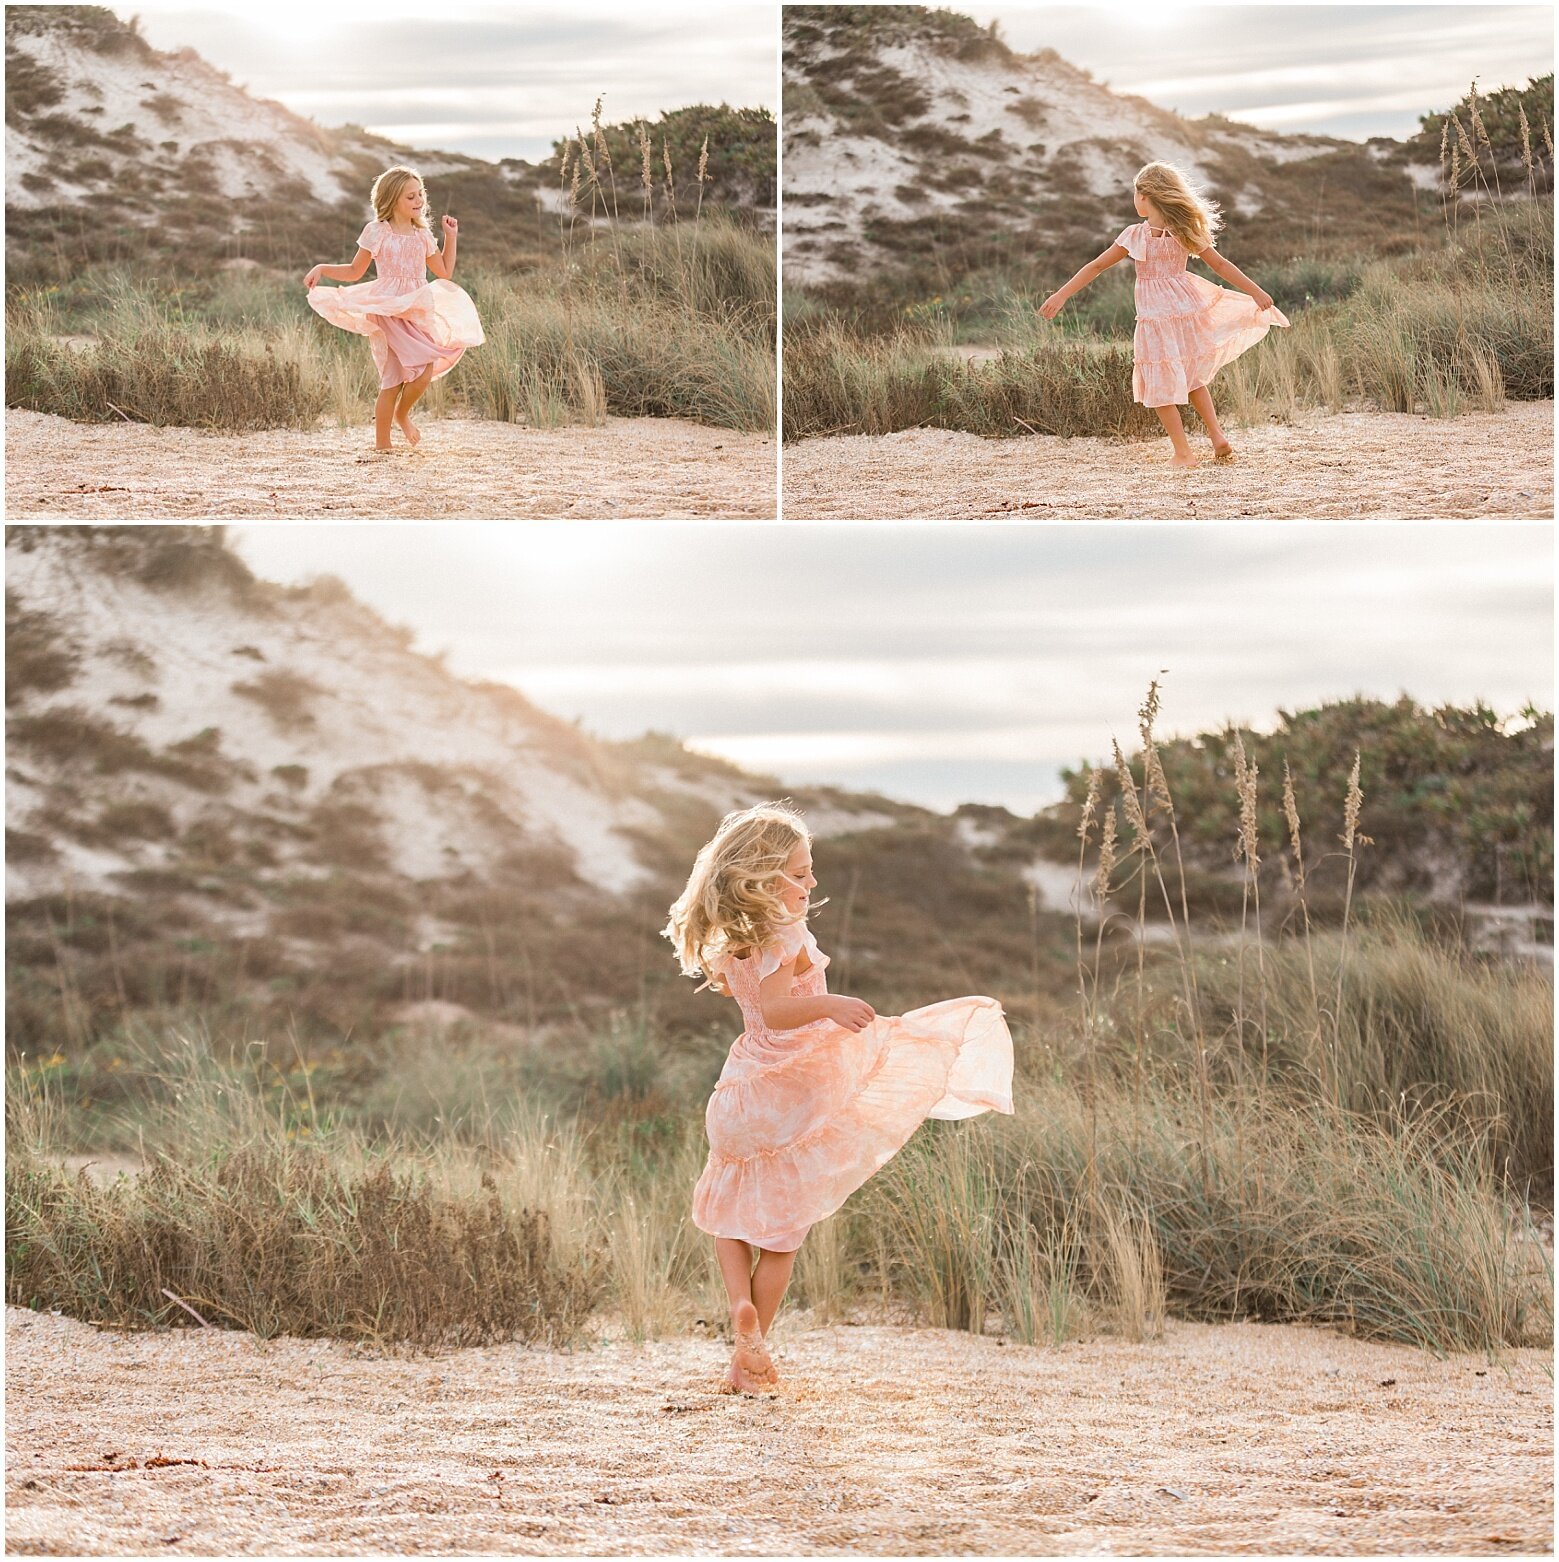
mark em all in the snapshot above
pixel 1187 212
pixel 731 904
pixel 387 191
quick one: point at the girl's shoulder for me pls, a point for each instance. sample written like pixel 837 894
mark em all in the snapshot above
pixel 372 235
pixel 780 948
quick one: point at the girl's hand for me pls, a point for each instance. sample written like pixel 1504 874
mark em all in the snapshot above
pixel 451 226
pixel 851 1013
pixel 1263 300
pixel 311 281
pixel 1052 306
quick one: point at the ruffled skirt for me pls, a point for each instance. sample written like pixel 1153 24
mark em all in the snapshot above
pixel 795 1129
pixel 408 326
pixel 1187 329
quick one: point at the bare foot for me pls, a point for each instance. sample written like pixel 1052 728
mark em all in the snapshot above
pixel 1223 453
pixel 1185 462
pixel 752 1369
pixel 409 429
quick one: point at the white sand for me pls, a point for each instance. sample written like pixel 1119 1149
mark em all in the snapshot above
pixel 1350 466
pixel 1226 1439
pixel 465 469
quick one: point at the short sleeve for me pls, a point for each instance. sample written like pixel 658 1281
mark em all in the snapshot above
pixel 371 236
pixel 1130 240
pixel 429 243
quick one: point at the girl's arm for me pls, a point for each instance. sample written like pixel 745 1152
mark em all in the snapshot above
pixel 783 1012
pixel 351 272
pixel 443 264
pixel 1232 274
pixel 1095 268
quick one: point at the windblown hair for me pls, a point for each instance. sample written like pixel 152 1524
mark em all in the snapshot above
pixel 731 904
pixel 1187 212
pixel 388 188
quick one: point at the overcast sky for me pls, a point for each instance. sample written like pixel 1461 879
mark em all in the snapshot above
pixel 949 664
pixel 488 80
pixel 1337 70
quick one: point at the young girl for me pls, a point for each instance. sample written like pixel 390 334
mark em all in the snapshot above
pixel 416 328
pixel 819 1090
pixel 1187 327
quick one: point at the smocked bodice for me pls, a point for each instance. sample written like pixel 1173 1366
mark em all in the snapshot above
pixel 1158 255
pixel 744 977
pixel 401 258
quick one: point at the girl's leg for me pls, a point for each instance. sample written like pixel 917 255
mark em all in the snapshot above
pixel 735 1258
pixel 769 1281
pixel 751 1369
pixel 384 408
pixel 1170 418
pixel 411 393
pixel 1203 402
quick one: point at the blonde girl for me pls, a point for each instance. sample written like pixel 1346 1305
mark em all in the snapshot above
pixel 819 1090
pixel 416 328
pixel 1187 327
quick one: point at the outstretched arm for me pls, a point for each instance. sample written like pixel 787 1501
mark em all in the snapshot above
pixel 783 1012
pixel 1095 268
pixel 1233 275
pixel 351 272
pixel 442 262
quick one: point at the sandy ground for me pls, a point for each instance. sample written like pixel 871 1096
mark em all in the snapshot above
pixel 628 469
pixel 1232 1438
pixel 1351 466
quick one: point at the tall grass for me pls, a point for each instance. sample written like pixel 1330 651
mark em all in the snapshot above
pixel 1461 326
pixel 1342 1127
pixel 630 318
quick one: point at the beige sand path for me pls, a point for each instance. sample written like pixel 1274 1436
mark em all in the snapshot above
pixel 1351 466
pixel 1233 1438
pixel 465 469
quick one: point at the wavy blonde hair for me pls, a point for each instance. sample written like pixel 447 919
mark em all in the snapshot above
pixel 1187 212
pixel 731 903
pixel 387 190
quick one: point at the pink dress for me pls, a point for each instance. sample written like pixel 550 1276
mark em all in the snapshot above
pixel 409 321
pixel 801 1118
pixel 1187 327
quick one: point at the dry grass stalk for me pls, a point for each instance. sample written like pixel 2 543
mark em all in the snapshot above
pixel 1296 843
pixel 646 175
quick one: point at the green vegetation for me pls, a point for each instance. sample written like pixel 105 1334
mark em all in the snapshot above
pixel 1455 794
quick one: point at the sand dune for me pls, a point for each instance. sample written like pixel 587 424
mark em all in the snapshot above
pixel 1236 1438
pixel 465 469
pixel 1351 466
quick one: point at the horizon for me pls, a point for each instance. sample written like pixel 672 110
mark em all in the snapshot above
pixel 505 83
pixel 944 666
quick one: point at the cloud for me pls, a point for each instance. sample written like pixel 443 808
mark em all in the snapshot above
pixel 950 663
pixel 1374 69
pixel 483 80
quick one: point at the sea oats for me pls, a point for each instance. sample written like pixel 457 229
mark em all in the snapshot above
pixel 1107 856
pixel 1245 775
pixel 1130 801
pixel 1090 804
pixel 1351 807
pixel 1466 145
pixel 1291 814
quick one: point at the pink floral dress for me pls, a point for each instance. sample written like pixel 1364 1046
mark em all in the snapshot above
pixel 801 1118
pixel 409 321
pixel 1187 327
